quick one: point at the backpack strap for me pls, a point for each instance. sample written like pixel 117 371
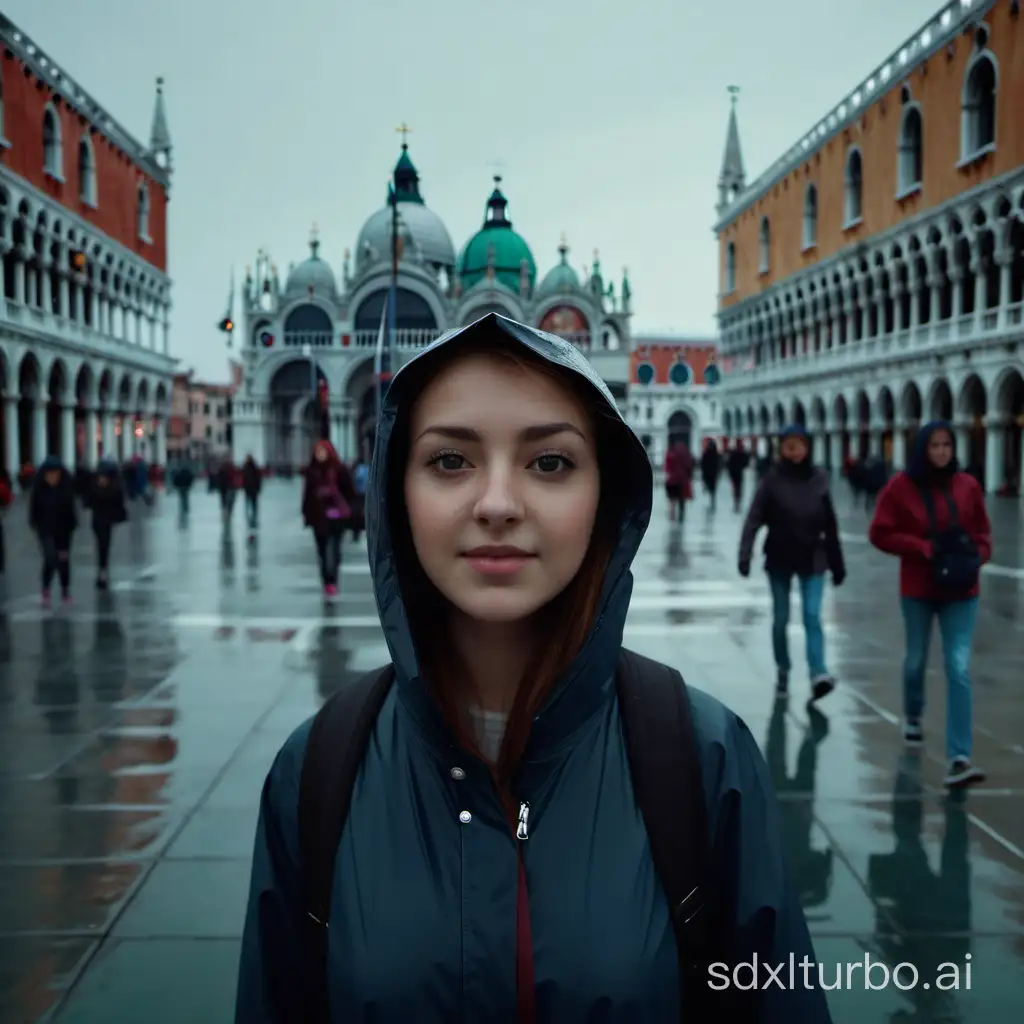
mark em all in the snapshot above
pixel 334 753
pixel 929 507
pixel 667 781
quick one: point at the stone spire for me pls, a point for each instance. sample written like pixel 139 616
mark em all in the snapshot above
pixel 733 179
pixel 160 134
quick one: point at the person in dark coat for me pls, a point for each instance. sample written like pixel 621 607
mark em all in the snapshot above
pixel 902 526
pixel 710 467
pixel 794 503
pixel 106 500
pixel 252 484
pixel 736 466
pixel 328 499
pixel 501 570
pixel 228 482
pixel 6 500
pixel 53 517
pixel 182 479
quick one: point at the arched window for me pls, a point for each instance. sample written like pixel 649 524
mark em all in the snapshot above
pixel 143 211
pixel 911 162
pixel 53 144
pixel 810 216
pixel 853 188
pixel 1 107
pixel 764 246
pixel 86 171
pixel 978 117
pixel 730 267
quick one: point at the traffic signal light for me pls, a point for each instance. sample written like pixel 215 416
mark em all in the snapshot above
pixel 266 339
pixel 227 325
pixel 77 259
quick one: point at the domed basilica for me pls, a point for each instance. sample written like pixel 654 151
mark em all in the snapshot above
pixel 311 342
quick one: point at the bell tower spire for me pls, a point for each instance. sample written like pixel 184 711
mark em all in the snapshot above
pixel 159 134
pixel 732 180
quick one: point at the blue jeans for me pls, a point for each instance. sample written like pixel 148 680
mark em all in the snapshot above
pixel 812 590
pixel 956 627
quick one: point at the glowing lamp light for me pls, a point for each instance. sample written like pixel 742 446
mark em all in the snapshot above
pixel 138 430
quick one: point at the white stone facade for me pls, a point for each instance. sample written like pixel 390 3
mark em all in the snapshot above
pixel 921 322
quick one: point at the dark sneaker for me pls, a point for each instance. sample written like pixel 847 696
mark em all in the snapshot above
pixel 962 773
pixel 912 732
pixel 822 686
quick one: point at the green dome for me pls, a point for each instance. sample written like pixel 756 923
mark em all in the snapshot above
pixel 497 242
pixel 561 277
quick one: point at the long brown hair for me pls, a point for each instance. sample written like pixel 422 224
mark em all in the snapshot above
pixel 568 618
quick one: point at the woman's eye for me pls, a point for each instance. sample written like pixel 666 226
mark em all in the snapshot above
pixel 552 463
pixel 447 462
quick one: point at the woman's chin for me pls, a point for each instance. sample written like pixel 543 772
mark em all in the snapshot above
pixel 499 607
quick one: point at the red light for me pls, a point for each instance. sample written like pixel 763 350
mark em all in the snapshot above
pixel 266 339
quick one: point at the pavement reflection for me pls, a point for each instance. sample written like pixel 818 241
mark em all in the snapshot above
pixel 136 728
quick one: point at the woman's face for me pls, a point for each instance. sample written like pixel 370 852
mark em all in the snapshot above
pixel 794 449
pixel 320 453
pixel 501 486
pixel 940 449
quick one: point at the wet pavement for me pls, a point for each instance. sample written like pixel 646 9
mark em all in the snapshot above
pixel 136 728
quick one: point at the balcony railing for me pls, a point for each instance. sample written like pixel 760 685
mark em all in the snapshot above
pixel 985 327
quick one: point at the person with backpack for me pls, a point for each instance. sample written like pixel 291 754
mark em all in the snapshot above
pixel 105 497
pixel 515 820
pixel 328 498
pixel 794 503
pixel 932 516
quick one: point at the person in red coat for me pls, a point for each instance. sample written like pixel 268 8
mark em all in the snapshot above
pixel 933 518
pixel 328 498
pixel 678 479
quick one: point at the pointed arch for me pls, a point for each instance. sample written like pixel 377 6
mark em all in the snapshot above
pixel 765 246
pixel 978 104
pixel 853 187
pixel 910 159
pixel 87 190
pixel 53 143
pixel 810 215
pixel 142 211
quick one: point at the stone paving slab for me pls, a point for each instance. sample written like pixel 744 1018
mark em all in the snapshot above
pixel 136 728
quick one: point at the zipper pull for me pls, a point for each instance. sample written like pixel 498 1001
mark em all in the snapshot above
pixel 522 830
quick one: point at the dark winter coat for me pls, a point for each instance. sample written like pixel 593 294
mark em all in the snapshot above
pixel 328 485
pixel 105 496
pixel 794 503
pixel 901 525
pixel 252 478
pixel 51 509
pixel 423 916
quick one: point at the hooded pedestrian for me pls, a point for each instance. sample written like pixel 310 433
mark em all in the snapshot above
pixel 710 468
pixel 53 517
pixel 106 499
pixel 736 465
pixel 227 484
pixel 933 518
pixel 182 479
pixel 495 865
pixel 794 504
pixel 678 479
pixel 328 498
pixel 252 484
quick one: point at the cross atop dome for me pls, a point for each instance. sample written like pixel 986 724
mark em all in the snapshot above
pixel 314 240
pixel 403 129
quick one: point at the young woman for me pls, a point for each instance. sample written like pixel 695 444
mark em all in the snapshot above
pixel 507 501
pixel 105 497
pixel 794 503
pixel 678 480
pixel 52 515
pixel 252 484
pixel 960 539
pixel 328 499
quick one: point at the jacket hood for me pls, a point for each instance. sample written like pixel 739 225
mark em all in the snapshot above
pixel 636 487
pixel 49 463
pixel 332 452
pixel 918 466
pixel 108 467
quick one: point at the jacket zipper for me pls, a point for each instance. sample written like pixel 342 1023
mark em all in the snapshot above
pixel 526 998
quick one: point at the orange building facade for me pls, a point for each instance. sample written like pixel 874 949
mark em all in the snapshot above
pixel 85 368
pixel 674 386
pixel 873 277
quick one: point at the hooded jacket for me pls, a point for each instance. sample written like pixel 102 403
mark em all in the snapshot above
pixel 107 500
pixel 51 509
pixel 901 525
pixel 327 485
pixel 793 502
pixel 423 923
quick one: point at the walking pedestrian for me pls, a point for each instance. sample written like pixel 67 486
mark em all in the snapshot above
pixel 227 484
pixel 6 500
pixel 328 498
pixel 710 467
pixel 678 479
pixel 933 518
pixel 360 479
pixel 794 504
pixel 736 465
pixel 53 518
pixel 252 484
pixel 182 479
pixel 494 861
pixel 107 502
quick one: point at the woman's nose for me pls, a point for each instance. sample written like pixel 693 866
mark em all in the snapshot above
pixel 500 498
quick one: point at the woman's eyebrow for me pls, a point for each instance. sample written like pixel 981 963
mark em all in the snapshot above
pixel 538 432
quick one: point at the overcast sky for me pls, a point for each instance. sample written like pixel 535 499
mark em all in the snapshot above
pixel 607 118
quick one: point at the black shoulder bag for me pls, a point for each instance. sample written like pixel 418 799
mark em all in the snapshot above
pixel 956 563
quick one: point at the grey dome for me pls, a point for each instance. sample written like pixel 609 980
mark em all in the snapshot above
pixel 313 273
pixel 561 277
pixel 430 237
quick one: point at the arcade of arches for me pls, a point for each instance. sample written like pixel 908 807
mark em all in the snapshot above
pixel 78 417
pixel 988 423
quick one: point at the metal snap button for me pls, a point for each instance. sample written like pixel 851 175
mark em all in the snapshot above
pixel 465 817
pixel 458 773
